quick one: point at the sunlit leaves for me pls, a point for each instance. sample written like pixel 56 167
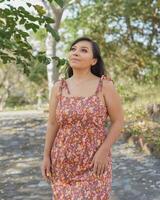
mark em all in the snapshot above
pixel 59 2
pixel 60 61
pixel 40 10
pixel 127 32
pixel 53 32
pixel 15 27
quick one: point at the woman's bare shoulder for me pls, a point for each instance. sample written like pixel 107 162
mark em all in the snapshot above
pixel 107 81
pixel 110 93
pixel 56 87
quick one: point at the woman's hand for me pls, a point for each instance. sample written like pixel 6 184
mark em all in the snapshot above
pixel 46 168
pixel 100 161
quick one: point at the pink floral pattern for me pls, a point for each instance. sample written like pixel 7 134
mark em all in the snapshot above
pixel 81 132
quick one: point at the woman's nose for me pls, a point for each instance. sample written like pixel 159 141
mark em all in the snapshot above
pixel 76 52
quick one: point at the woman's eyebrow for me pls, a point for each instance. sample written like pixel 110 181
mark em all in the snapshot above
pixel 85 47
pixel 81 47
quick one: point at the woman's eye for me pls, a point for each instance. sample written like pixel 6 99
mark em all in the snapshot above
pixel 84 50
pixel 72 49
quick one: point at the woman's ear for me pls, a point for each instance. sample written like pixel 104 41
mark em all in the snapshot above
pixel 94 61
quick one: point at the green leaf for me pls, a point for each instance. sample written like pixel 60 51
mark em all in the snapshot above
pixel 55 58
pixel 53 32
pixel 1 22
pixel 42 58
pixel 62 61
pixel 14 37
pixel 17 37
pixel 60 3
pixel 24 34
pixel 32 18
pixel 39 9
pixel 48 19
pixel 18 60
pixel 21 8
pixel 22 21
pixel 29 4
pixel 32 26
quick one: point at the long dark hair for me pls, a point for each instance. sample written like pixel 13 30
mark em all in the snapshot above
pixel 98 69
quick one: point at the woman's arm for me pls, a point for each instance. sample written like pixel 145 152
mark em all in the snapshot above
pixel 52 126
pixel 115 110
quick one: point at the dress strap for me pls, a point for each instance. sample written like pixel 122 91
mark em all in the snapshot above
pixel 100 84
pixel 63 85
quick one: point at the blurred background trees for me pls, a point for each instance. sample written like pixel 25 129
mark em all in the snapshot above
pixel 128 33
pixel 35 39
pixel 19 27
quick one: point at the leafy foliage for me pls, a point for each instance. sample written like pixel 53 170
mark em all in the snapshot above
pixel 128 33
pixel 15 27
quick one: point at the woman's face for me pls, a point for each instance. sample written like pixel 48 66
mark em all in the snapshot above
pixel 81 55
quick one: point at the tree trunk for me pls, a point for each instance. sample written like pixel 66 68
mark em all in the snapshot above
pixel 52 71
pixel 56 12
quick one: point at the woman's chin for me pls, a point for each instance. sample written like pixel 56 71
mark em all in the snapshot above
pixel 75 66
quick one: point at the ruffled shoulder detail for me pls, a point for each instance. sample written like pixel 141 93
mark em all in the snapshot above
pixel 104 77
pixel 63 85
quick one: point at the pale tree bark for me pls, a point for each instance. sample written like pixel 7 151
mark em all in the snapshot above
pixel 52 71
pixel 55 12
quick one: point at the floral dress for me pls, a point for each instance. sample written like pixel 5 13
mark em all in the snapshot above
pixel 81 132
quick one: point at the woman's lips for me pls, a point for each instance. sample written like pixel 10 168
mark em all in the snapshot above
pixel 74 59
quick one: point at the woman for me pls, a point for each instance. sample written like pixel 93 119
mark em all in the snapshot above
pixel 77 154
